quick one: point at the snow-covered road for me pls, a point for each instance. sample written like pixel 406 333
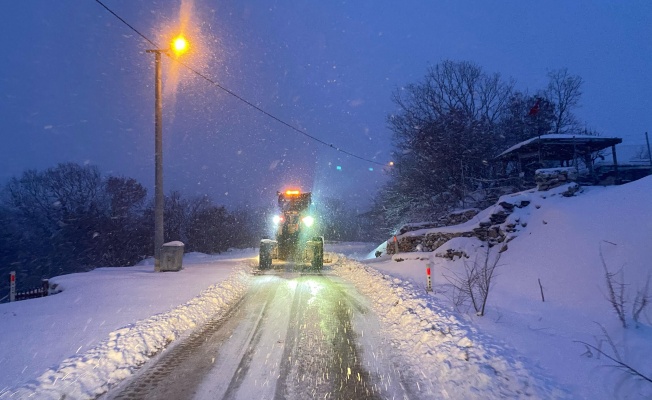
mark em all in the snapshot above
pixel 349 332
pixel 292 336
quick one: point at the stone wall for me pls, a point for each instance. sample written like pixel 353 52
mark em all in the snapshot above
pixel 454 218
pixel 549 178
pixel 496 228
pixel 490 230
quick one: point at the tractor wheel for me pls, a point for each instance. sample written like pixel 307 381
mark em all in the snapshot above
pixel 317 261
pixel 265 257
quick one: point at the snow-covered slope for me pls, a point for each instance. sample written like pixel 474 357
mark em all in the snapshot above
pixel 559 242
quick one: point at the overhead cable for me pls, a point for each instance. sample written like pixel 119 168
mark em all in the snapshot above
pixel 237 96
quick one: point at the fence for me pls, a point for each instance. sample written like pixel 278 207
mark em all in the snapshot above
pixel 31 293
pixel 34 292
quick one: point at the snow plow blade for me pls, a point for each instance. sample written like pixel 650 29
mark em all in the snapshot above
pixel 312 257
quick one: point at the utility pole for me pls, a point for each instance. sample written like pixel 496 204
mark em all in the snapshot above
pixel 158 161
pixel 178 47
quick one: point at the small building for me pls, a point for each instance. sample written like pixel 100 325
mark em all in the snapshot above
pixel 564 150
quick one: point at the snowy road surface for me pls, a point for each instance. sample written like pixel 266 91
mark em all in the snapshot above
pixel 353 332
pixel 292 336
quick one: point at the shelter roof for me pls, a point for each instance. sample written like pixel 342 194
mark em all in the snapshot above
pixel 558 146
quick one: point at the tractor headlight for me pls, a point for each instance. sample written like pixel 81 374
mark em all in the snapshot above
pixel 277 219
pixel 308 221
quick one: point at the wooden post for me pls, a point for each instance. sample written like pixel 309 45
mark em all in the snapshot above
pixel 615 160
pixel 543 299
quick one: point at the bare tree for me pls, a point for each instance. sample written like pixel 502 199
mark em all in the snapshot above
pixel 618 363
pixel 614 356
pixel 615 291
pixel 618 296
pixel 565 90
pixel 641 301
pixel 452 86
pixel 474 284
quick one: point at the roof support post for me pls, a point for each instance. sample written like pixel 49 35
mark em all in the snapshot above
pixel 615 160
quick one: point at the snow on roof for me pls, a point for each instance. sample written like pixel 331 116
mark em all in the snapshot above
pixel 598 141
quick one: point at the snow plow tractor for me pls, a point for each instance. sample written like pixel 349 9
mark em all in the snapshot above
pixel 296 243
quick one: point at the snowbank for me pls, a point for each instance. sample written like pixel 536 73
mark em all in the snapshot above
pixel 110 299
pixel 448 358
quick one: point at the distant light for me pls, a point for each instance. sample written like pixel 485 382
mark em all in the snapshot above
pixel 371 168
pixel 277 219
pixel 391 163
pixel 308 221
pixel 339 168
pixel 292 192
pixel 179 45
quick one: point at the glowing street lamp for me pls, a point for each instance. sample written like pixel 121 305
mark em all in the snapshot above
pixel 179 46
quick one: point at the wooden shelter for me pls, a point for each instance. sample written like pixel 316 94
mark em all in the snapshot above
pixel 559 150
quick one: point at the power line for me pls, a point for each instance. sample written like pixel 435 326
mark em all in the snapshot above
pixel 238 97
pixel 126 23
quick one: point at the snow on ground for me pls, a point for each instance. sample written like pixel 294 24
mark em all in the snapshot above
pixel 108 321
pixel 558 241
pixel 450 358
pixel 354 250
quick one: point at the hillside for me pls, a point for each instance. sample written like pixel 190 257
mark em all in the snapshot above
pixel 560 241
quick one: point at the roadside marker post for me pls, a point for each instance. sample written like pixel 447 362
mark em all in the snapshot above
pixel 429 280
pixel 12 286
pixel 395 245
